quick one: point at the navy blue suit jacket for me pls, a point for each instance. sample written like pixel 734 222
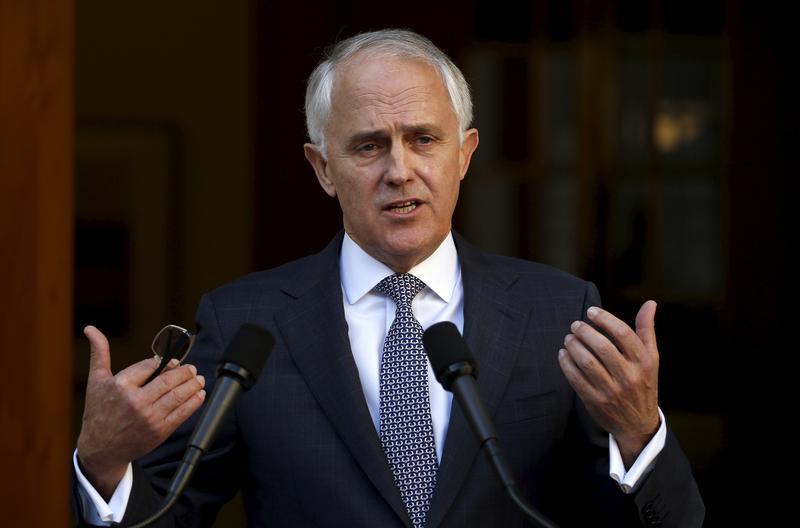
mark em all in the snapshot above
pixel 302 446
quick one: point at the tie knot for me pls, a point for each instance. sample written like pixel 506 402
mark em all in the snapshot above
pixel 401 287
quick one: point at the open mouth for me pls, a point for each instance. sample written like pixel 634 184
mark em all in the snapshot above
pixel 403 207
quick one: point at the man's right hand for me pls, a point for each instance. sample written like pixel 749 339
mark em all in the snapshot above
pixel 123 420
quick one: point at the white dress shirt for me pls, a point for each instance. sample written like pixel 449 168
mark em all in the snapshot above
pixel 369 316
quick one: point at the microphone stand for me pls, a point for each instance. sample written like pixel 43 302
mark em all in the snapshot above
pixel 182 476
pixel 459 378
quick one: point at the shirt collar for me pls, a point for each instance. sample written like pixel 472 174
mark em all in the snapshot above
pixel 360 272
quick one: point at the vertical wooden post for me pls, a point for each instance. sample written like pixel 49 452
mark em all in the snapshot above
pixel 36 231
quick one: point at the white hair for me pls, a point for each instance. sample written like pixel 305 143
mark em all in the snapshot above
pixel 388 43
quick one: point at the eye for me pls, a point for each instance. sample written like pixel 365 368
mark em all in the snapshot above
pixel 368 147
pixel 424 140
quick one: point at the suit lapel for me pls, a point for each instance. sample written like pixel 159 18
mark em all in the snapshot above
pixel 493 329
pixel 315 332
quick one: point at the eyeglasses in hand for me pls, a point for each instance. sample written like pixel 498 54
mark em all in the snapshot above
pixel 171 342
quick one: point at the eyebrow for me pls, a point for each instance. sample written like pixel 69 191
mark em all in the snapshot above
pixel 379 134
pixel 369 135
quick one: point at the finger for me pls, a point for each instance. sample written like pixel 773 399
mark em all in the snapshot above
pixel 99 353
pixel 605 351
pixel 176 397
pixel 168 381
pixel 646 324
pixel 601 347
pixel 575 377
pixel 625 338
pixel 173 364
pixel 184 411
pixel 595 372
pixel 136 374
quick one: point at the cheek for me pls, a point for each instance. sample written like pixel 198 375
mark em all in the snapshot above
pixel 355 200
pixel 446 186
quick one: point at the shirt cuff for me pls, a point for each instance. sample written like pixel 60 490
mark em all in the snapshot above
pixel 628 480
pixel 96 510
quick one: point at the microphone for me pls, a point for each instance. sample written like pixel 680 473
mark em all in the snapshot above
pixel 455 369
pixel 239 370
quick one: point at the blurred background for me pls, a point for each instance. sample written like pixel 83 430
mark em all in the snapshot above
pixel 643 145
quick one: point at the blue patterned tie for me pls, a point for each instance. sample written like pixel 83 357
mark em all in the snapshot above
pixel 406 425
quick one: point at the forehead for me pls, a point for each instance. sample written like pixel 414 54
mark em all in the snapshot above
pixel 374 87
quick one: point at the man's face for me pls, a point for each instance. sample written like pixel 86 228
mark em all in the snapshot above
pixel 394 158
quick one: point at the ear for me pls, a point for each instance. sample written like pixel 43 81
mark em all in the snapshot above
pixel 320 166
pixel 468 146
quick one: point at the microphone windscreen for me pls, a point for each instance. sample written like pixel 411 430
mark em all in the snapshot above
pixel 250 347
pixel 445 346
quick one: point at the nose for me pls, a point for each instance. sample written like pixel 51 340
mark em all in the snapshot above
pixel 399 163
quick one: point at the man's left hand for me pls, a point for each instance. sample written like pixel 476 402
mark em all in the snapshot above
pixel 616 378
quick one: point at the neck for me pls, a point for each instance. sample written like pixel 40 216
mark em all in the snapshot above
pixel 398 263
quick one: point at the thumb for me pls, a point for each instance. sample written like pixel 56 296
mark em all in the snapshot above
pixel 646 324
pixel 100 353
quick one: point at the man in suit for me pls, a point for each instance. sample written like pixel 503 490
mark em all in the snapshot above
pixel 317 441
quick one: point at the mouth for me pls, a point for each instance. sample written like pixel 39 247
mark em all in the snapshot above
pixel 403 207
